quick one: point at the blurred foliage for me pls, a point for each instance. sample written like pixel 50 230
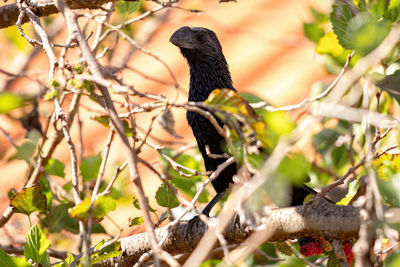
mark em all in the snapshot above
pixel 90 167
pixel 187 185
pixel 11 34
pixel 128 7
pixel 10 101
pixel 12 261
pixel 102 205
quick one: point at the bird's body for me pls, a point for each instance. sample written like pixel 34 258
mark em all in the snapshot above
pixel 209 71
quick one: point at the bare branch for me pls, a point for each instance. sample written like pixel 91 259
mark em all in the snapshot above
pixel 339 222
pixel 95 68
pixel 9 13
pixel 308 100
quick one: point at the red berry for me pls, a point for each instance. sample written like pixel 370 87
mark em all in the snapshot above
pixel 310 247
pixel 349 253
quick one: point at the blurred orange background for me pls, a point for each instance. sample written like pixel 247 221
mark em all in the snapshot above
pixel 264 44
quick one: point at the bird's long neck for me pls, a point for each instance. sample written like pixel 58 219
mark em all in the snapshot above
pixel 206 75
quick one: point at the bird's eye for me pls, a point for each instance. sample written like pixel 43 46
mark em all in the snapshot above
pixel 200 37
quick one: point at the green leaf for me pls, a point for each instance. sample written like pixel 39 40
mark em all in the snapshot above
pixel 324 140
pixel 362 32
pixel 34 136
pixel 284 248
pixel 291 262
pixel 45 260
pixel 136 221
pixel 69 262
pixel 13 36
pixel 353 187
pixel 105 121
pixel 127 7
pixel 29 200
pixel 128 130
pixel 393 260
pixel 54 83
pixel 68 186
pixel 231 102
pixel 24 151
pixel 110 251
pixel 294 168
pixel 387 166
pixel 391 84
pixel 9 101
pixel 187 185
pixel 101 207
pixel 165 198
pixel 90 167
pixel 212 263
pixel 12 192
pixel 36 244
pixel 137 205
pixel 329 45
pixel 51 94
pixel 59 219
pixel 339 157
pixel 388 171
pixel 97 228
pixel 313 31
pixel 79 68
pixel 11 261
pixel 393 10
pixel 369 33
pixel 279 122
pixel 46 190
pixel 390 190
pixel 340 18
pixel 70 259
pixel 55 167
pixel 251 98
pixel 378 8
pixel 84 85
pixel 332 260
pixel 270 250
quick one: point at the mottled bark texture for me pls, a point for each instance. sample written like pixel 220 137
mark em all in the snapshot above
pixel 9 13
pixel 317 218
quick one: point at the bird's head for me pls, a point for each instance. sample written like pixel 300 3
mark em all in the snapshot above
pixel 196 42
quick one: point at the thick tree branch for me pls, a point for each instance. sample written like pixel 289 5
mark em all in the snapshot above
pixel 316 218
pixel 9 13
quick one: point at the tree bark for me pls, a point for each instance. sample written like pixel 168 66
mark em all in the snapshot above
pixel 318 219
pixel 9 13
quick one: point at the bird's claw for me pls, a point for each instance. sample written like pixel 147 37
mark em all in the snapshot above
pixel 236 223
pixel 193 222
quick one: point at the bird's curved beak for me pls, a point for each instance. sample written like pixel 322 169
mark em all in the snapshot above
pixel 182 38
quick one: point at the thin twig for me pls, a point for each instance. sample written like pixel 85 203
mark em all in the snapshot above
pixel 96 70
pixel 308 100
pixel 98 182
pixel 11 249
pixel 9 138
pixel 351 170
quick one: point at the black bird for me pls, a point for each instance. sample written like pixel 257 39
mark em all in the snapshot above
pixel 209 71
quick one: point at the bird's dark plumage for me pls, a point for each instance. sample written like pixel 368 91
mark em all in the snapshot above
pixel 209 71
